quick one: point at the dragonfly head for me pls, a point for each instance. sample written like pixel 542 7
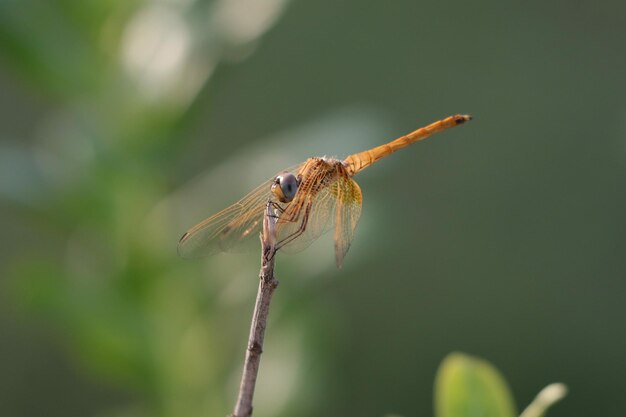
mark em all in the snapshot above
pixel 285 187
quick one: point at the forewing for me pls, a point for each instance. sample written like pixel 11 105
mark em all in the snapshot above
pixel 347 214
pixel 313 213
pixel 230 229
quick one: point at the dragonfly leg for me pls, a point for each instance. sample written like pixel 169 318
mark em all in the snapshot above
pixel 277 208
pixel 289 217
pixel 290 238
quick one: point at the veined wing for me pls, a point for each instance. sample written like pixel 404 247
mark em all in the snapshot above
pixel 230 228
pixel 347 214
pixel 306 217
pixel 321 203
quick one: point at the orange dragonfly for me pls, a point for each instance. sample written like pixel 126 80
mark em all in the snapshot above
pixel 307 200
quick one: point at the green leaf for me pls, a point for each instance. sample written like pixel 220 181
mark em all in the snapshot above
pixel 470 387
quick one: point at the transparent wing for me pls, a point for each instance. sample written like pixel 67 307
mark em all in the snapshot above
pixel 229 228
pixel 306 219
pixel 347 214
pixel 312 212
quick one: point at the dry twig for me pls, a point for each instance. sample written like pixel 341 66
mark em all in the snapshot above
pixel 267 285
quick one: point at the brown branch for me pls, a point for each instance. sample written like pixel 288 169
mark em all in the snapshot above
pixel 267 285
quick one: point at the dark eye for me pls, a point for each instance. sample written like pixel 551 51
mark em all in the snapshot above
pixel 288 185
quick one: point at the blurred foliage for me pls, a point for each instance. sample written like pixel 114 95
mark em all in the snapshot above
pixel 123 75
pixel 114 152
pixel 467 387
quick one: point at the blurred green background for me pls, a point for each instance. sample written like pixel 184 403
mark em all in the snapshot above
pixel 125 122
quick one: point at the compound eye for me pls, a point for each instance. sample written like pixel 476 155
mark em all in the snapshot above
pixel 288 185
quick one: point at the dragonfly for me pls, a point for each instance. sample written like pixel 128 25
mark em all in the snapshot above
pixel 308 200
